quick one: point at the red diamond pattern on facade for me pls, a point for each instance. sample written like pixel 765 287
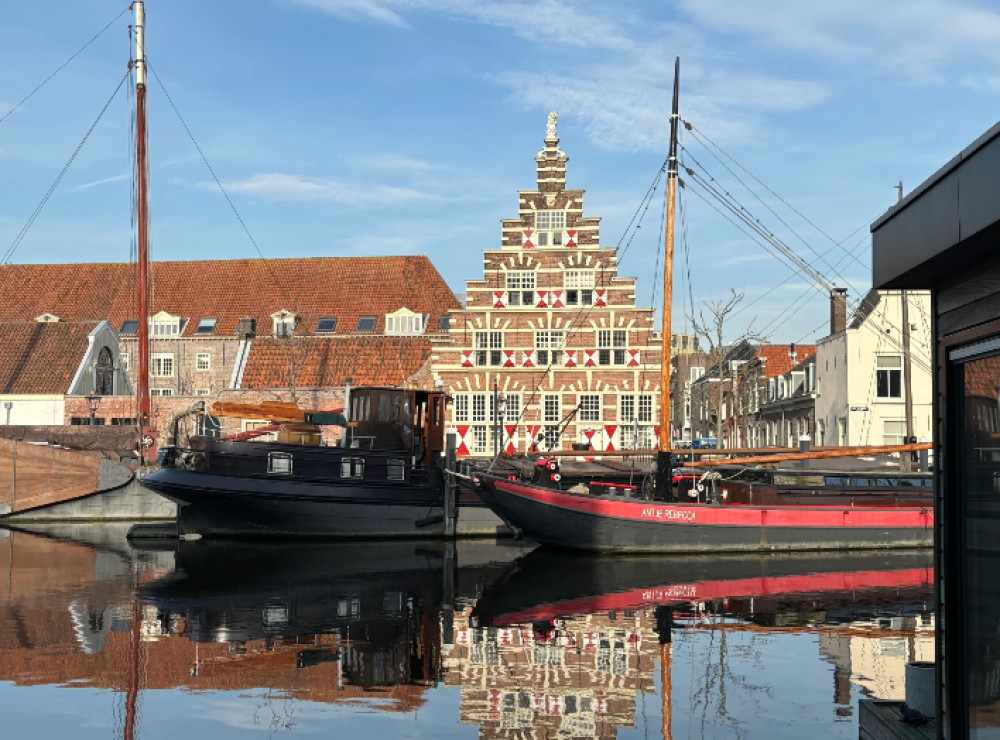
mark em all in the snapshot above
pixel 571 239
pixel 527 243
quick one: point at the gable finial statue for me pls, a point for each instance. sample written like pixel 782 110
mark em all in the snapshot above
pixel 550 129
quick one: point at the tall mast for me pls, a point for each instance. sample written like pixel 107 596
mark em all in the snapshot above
pixel 663 458
pixel 145 426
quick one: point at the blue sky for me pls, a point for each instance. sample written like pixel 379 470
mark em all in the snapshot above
pixel 374 127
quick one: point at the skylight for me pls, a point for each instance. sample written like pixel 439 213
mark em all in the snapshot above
pixel 206 326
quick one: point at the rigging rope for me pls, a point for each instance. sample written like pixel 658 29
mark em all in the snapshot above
pixel 45 199
pixel 59 69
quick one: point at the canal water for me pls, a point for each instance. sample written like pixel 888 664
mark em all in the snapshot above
pixel 105 638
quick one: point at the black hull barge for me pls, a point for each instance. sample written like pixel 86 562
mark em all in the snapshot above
pixel 388 479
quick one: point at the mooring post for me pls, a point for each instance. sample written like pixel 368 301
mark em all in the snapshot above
pixel 448 594
pixel 450 509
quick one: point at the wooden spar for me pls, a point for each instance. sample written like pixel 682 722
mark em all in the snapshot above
pixel 279 411
pixel 668 272
pixel 813 455
pixel 664 462
pixel 146 428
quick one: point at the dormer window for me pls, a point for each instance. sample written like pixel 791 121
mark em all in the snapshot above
pixel 549 226
pixel 284 323
pixel 47 318
pixel 164 324
pixel 405 322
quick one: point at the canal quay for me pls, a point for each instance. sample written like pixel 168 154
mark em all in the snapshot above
pixel 102 636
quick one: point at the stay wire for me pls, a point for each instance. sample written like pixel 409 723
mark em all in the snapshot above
pixel 63 65
pixel 703 138
pixel 45 199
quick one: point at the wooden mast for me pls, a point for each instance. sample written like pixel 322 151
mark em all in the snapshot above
pixel 147 431
pixel 664 462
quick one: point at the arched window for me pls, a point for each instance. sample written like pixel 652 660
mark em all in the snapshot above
pixel 104 374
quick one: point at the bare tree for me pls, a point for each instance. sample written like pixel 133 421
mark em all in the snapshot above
pixel 709 323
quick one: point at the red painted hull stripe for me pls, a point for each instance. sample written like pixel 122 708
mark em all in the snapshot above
pixel 728 589
pixel 800 515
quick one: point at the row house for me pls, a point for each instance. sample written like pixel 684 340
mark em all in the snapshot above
pixel 711 393
pixel 757 383
pixel 788 414
pixel 208 316
pixel 873 375
pixel 687 367
pixel 551 349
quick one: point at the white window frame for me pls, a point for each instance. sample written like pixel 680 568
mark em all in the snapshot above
pixel 551 408
pixel 549 227
pixel 279 463
pixel 405 323
pixel 889 365
pixel 161 365
pixel 521 287
pixel 589 407
pixel 203 361
pixel 203 392
pixel 161 391
pixel 164 325
pixel 578 287
pixel 461 412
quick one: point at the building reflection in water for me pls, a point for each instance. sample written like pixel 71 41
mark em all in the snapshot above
pixel 539 644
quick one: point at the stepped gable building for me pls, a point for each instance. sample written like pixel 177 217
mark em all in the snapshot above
pixel 279 325
pixel 553 332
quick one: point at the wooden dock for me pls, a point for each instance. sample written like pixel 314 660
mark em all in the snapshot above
pixel 882 720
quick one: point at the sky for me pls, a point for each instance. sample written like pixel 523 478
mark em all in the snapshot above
pixel 302 128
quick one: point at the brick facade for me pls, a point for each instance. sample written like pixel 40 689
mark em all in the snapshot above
pixel 553 331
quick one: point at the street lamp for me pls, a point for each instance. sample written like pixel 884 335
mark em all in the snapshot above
pixel 93 401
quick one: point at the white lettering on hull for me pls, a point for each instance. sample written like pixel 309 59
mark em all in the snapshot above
pixel 653 512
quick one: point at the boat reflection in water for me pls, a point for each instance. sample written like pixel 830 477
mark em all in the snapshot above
pixel 359 615
pixel 575 641
pixel 534 642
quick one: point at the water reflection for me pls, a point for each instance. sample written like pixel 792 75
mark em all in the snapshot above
pixel 535 642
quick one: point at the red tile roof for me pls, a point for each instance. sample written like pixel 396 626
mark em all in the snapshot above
pixel 328 361
pixel 41 357
pixel 778 360
pixel 227 290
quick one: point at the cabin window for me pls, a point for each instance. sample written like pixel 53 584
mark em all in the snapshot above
pixel 279 463
pixel 206 326
pixel 161 365
pixel 858 481
pixel 129 326
pixel 912 482
pixel 352 467
pixel 549 226
pixel 889 376
pixel 366 323
pixel 203 361
pixel 885 482
pixel 837 480
pixel 326 325
pixel 395 470
pixel 521 288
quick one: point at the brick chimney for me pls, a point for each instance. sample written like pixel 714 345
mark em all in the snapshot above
pixel 838 310
pixel 246 328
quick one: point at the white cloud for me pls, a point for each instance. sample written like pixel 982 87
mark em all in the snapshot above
pixel 105 181
pixel 284 187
